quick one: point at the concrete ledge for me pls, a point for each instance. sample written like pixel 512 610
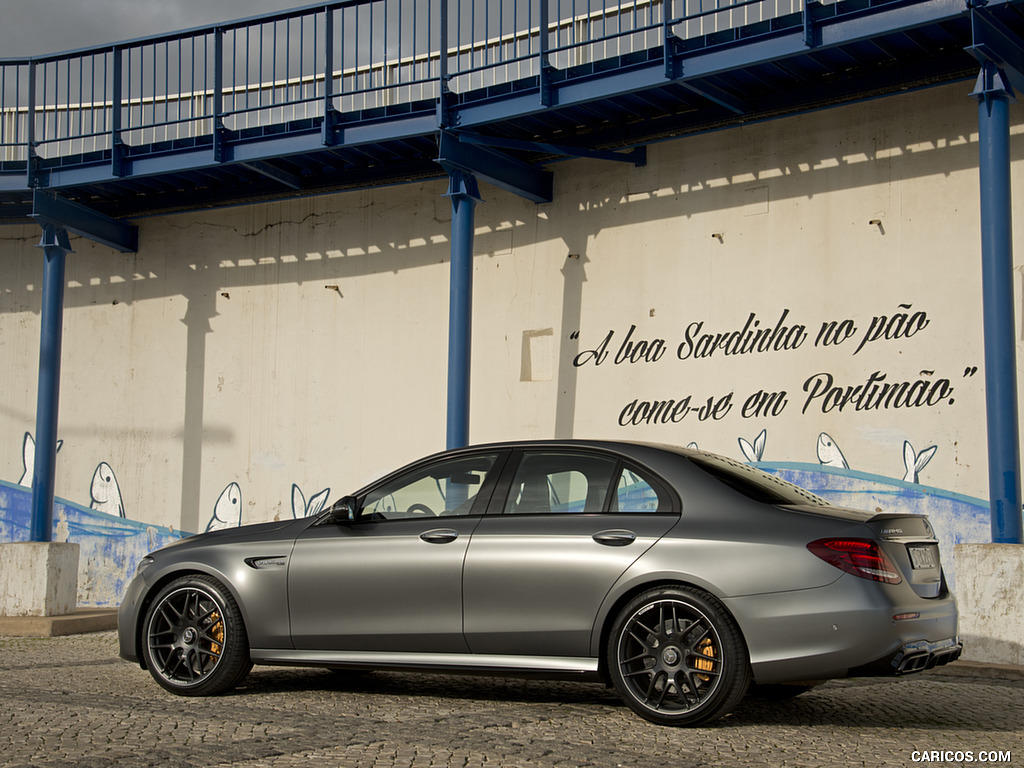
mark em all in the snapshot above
pixel 83 620
pixel 990 595
pixel 38 578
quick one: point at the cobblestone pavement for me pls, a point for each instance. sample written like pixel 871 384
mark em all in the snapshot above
pixel 70 701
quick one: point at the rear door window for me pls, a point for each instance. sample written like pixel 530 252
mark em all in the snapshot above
pixel 548 482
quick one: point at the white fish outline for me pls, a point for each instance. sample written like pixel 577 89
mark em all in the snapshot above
pixel 299 506
pixel 914 462
pixel 227 512
pixel 753 453
pixel 28 458
pixel 828 452
pixel 105 492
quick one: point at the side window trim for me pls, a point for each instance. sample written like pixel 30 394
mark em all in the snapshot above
pixel 613 489
pixel 503 484
pixel 482 502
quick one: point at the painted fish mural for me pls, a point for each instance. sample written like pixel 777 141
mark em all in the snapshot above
pixel 28 458
pixel 828 452
pixel 914 462
pixel 754 452
pixel 227 512
pixel 105 492
pixel 300 508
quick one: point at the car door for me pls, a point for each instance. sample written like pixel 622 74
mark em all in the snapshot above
pixel 542 560
pixel 391 580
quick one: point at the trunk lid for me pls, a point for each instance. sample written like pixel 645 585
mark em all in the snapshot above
pixel 908 540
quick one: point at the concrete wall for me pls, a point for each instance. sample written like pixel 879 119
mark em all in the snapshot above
pixel 248 363
pixel 990 594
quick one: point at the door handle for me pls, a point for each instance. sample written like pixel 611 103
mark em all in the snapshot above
pixel 615 538
pixel 440 535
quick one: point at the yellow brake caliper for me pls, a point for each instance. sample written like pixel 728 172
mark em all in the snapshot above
pixel 707 648
pixel 218 633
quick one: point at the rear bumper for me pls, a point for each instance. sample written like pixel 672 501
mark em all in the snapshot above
pixel 913 657
pixel 848 628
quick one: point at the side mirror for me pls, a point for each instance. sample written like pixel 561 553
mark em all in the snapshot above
pixel 344 510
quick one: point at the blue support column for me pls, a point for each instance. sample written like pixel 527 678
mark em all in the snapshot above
pixel 464 194
pixel 994 96
pixel 55 247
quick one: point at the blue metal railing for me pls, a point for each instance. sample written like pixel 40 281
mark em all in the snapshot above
pixel 348 57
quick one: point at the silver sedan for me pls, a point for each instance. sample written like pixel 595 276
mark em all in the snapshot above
pixel 683 579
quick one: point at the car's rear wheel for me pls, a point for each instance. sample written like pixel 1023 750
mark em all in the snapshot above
pixel 676 657
pixel 193 638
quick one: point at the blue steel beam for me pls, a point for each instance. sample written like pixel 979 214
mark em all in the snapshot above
pixel 716 95
pixel 55 247
pixel 637 156
pixel 56 217
pixel 282 177
pixel 994 43
pixel 994 95
pixel 48 208
pixel 497 168
pixel 264 148
pixel 464 194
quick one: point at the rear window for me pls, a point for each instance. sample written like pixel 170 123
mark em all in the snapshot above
pixel 753 483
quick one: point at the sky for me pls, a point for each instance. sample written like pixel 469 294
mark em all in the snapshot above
pixel 39 27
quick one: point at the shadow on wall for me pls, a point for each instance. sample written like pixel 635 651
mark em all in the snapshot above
pixel 110 546
pixel 295 248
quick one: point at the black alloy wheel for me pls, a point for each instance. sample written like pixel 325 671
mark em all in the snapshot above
pixel 194 641
pixel 676 657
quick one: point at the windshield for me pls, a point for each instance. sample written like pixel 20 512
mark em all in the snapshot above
pixel 753 483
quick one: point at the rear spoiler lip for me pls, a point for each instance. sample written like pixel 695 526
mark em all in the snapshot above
pixel 849 514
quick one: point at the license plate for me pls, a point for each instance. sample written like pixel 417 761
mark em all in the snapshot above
pixel 922 557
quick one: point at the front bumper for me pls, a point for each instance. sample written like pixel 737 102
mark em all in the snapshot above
pixel 127 621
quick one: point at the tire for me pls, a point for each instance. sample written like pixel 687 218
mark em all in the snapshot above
pixel 676 657
pixel 193 638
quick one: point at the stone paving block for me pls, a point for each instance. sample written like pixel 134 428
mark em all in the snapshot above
pixel 69 701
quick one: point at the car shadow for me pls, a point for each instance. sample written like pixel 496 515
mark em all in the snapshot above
pixel 268 680
pixel 921 702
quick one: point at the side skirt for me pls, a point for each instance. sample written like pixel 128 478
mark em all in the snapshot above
pixel 462 663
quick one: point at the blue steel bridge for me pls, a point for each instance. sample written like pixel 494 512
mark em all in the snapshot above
pixel 360 93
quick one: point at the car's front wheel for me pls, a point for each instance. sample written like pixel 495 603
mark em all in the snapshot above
pixel 193 638
pixel 676 657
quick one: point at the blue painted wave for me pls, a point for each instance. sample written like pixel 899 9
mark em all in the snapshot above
pixel 110 547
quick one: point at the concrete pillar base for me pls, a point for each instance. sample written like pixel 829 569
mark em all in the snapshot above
pixel 990 595
pixel 38 578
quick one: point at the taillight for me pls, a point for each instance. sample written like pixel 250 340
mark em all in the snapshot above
pixel 861 557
